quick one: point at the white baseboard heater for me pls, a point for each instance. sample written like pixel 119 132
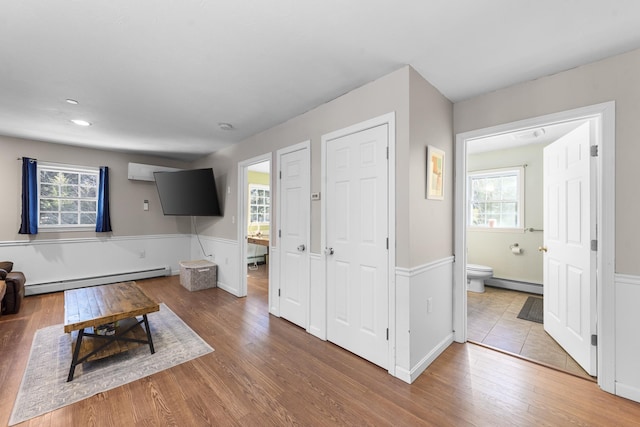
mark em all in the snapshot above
pixel 62 285
pixel 532 288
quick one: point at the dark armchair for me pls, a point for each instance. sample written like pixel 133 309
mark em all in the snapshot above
pixel 14 293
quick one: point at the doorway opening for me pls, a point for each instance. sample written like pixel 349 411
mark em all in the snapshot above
pixel 254 220
pixel 258 228
pixel 504 230
pixel 603 117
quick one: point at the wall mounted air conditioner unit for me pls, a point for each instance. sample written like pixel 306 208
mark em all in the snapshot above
pixel 140 172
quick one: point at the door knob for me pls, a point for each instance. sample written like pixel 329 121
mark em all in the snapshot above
pixel 301 248
pixel 328 251
pixel 542 249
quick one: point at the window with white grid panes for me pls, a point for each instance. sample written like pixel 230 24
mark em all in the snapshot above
pixel 67 196
pixel 259 203
pixel 495 198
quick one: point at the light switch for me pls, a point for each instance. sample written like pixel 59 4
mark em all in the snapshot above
pixel 145 205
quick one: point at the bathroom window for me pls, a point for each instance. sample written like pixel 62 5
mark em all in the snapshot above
pixel 67 197
pixel 496 198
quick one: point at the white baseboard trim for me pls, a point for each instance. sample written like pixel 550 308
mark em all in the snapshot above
pixel 628 392
pixel 410 376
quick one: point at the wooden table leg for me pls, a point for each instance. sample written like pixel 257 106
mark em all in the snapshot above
pixel 76 353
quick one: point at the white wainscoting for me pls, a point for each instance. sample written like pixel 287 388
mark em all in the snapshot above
pixel 225 253
pixel 627 339
pixel 49 264
pixel 424 316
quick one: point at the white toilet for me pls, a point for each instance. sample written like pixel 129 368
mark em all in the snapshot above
pixel 476 275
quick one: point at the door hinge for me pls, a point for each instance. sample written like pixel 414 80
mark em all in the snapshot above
pixel 278 292
pixel 387 153
pixel 387 243
pixel 594 245
pixel 279 233
pixel 594 151
pixel 387 334
pixel 280 174
pixel 594 340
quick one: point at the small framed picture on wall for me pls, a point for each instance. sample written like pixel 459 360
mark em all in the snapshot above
pixel 435 173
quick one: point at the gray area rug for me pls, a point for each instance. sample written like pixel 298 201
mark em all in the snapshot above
pixel 532 310
pixel 44 384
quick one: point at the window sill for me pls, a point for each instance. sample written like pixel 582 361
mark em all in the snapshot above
pixel 65 229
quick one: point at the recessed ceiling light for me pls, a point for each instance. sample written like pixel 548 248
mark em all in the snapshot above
pixel 81 122
pixel 225 126
pixel 72 101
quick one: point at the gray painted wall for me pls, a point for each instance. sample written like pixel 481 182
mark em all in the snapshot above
pixel 491 247
pixel 422 118
pixel 614 79
pixel 127 216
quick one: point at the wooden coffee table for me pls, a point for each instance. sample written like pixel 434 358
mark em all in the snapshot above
pixel 87 308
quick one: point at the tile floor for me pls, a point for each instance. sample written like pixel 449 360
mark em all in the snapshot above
pixel 492 320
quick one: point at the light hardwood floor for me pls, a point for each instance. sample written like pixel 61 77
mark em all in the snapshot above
pixel 266 371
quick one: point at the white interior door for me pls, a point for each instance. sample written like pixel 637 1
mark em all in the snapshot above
pixel 357 239
pixel 569 262
pixel 293 227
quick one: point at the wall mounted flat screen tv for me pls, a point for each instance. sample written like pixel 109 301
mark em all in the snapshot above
pixel 188 192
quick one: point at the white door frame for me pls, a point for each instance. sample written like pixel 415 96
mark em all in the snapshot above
pixel 605 188
pixel 243 196
pixel 274 303
pixel 390 120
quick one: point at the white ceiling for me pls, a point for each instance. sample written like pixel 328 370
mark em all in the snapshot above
pixel 158 76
